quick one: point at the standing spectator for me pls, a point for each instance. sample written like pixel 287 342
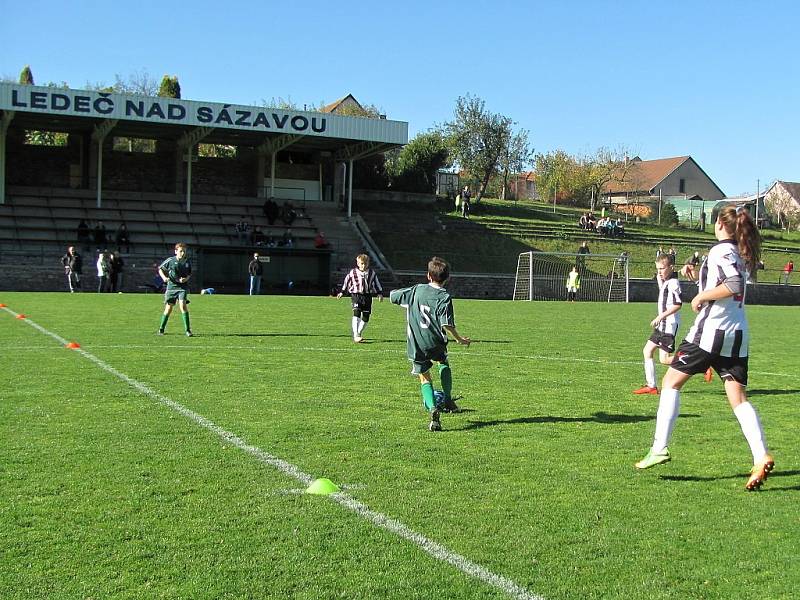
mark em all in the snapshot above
pixel 123 238
pixel 787 271
pixel 362 284
pixel 73 268
pixel 175 271
pixel 271 210
pixel 100 236
pixel 582 252
pixel 256 270
pixel 702 221
pixel 103 271
pixel 458 202
pixel 84 236
pixel 673 255
pixel 242 231
pixel 288 214
pixel 465 199
pixel 115 274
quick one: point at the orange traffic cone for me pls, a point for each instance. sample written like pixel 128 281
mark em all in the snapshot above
pixel 73 345
pixel 21 316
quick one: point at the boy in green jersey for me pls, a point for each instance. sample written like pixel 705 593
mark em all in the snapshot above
pixel 429 312
pixel 176 271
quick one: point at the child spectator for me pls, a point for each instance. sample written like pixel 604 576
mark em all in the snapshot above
pixel 362 284
pixel 573 284
pixel 429 312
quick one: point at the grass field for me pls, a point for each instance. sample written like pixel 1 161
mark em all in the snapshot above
pixel 149 467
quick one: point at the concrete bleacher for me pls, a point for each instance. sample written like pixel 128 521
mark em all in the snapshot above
pixel 48 218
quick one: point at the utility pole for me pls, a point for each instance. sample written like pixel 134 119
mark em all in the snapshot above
pixel 758 193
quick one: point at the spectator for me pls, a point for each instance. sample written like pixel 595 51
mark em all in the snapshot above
pixel 673 256
pixel 582 252
pixel 591 224
pixel 84 236
pixel 73 268
pixel 458 203
pixel 620 229
pixel 100 235
pixel 288 214
pixel 694 259
pixel 256 269
pixel 156 284
pixel 258 236
pixel 287 240
pixel 123 238
pixel 583 222
pixel 320 241
pixel 242 231
pixel 115 272
pixel 271 210
pixel 271 243
pixel 787 271
pixel 702 221
pixel 465 199
pixel 103 270
pixel 660 252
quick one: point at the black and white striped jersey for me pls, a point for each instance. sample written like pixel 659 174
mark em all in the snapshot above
pixel 669 295
pixel 361 282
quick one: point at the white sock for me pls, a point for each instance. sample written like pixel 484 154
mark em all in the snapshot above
pixel 355 326
pixel 751 428
pixel 650 372
pixel 361 325
pixel 669 406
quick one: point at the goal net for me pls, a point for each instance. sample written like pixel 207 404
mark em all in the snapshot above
pixel 543 276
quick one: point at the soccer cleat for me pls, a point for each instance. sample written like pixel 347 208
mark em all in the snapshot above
pixel 450 406
pixel 759 473
pixel 708 375
pixel 435 424
pixel 646 389
pixel 189 333
pixel 652 459
pixel 358 339
pixel 160 332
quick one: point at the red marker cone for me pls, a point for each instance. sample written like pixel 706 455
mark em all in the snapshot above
pixel 2 305
pixel 73 345
pixel 21 316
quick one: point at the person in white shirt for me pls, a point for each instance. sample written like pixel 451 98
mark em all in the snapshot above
pixel 718 339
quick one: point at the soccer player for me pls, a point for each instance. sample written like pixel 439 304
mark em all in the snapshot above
pixel 175 272
pixel 362 284
pixel 718 339
pixel 429 312
pixel 665 325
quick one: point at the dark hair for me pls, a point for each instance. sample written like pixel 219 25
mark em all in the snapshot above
pixel 439 270
pixel 740 224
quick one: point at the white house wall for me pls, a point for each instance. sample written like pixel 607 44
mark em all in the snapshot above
pixel 696 182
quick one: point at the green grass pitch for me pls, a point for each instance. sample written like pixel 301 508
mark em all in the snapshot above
pixel 107 492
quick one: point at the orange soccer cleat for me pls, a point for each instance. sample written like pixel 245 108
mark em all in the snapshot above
pixel 646 389
pixel 708 375
pixel 759 473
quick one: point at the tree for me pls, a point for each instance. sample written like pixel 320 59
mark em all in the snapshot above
pixel 478 139
pixel 414 167
pixel 169 88
pixel 553 171
pixel 26 76
pixel 140 83
pixel 604 167
pixel 516 159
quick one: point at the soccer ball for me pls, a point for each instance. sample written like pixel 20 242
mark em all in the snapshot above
pixel 438 401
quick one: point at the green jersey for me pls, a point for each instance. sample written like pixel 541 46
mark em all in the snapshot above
pixel 428 308
pixel 176 269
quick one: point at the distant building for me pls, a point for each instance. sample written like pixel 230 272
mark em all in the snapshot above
pixel 523 186
pixel 782 203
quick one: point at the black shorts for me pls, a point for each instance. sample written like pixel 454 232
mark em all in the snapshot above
pixel 362 305
pixel 664 341
pixel 692 359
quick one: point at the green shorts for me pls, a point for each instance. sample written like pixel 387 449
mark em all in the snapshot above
pixel 171 296
pixel 418 367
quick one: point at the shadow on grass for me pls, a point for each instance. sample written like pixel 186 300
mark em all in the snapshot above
pixel 598 417
pixel 771 392
pixel 320 335
pixel 772 476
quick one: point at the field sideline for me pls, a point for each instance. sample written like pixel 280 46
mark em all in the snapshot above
pixel 142 466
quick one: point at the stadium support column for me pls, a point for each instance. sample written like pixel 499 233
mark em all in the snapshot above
pixel 99 135
pixel 4 124
pixel 272 174
pixel 350 188
pixel 186 143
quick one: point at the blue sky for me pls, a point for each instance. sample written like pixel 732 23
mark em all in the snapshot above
pixel 717 80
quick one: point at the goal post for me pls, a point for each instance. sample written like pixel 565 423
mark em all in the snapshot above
pixel 543 276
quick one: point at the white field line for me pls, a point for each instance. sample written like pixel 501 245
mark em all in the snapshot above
pixel 434 549
pixel 461 353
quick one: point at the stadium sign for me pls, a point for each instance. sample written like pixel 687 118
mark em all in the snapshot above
pixel 153 109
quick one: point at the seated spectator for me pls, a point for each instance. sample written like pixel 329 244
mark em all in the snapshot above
pixel 591 222
pixel 320 241
pixel 84 235
pixel 123 238
pixel 271 210
pixel 620 227
pixel 99 234
pixel 287 241
pixel 258 236
pixel 156 284
pixel 288 214
pixel 583 222
pixel 271 243
pixel 242 229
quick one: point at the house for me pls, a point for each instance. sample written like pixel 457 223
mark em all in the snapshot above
pixel 523 186
pixel 782 203
pixel 678 176
pixel 348 106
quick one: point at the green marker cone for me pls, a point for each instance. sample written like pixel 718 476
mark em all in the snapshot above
pixel 322 487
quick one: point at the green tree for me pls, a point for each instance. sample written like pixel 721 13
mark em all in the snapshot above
pixel 478 139
pixel 26 76
pixel 169 88
pixel 516 159
pixel 414 167
pixel 553 175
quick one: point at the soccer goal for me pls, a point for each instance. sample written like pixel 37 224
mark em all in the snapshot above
pixel 543 276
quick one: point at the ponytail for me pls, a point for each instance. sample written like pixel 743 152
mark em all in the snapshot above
pixel 740 225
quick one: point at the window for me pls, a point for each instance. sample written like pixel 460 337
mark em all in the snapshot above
pixel 682 186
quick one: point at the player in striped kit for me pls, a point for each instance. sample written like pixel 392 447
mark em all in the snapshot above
pixel 718 339
pixel 362 284
pixel 665 325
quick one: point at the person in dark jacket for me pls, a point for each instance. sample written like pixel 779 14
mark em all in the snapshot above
pixel 256 270
pixel 73 268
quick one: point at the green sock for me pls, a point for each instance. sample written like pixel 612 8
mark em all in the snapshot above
pixel 185 317
pixel 446 377
pixel 163 325
pixel 427 396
